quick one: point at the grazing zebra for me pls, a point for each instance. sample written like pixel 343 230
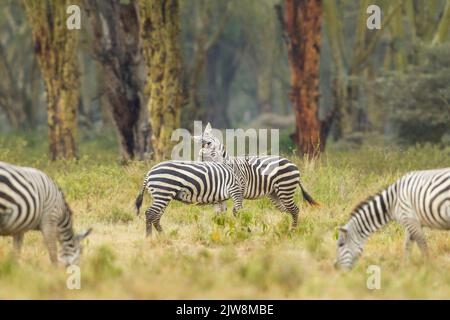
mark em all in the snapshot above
pixel 189 182
pixel 30 200
pixel 271 176
pixel 418 199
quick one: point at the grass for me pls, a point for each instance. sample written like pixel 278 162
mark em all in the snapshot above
pixel 204 255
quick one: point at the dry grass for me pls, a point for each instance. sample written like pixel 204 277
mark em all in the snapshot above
pixel 202 255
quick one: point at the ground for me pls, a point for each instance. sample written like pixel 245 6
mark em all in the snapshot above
pixel 209 256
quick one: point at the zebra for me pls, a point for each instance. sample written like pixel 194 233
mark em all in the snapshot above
pixel 191 182
pixel 31 200
pixel 418 199
pixel 272 176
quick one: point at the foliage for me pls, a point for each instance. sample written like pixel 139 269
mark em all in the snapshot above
pixel 419 98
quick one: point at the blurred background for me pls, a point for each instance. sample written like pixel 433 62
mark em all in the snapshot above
pixel 138 69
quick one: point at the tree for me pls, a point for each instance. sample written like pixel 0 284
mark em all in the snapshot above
pixel 350 61
pixel 160 29
pixel 19 86
pixel 302 26
pixel 443 26
pixel 419 98
pixel 115 46
pixel 263 48
pixel 204 34
pixel 55 47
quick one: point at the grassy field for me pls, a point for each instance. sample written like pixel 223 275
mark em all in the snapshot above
pixel 209 256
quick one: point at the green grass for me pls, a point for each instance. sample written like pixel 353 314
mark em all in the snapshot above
pixel 204 255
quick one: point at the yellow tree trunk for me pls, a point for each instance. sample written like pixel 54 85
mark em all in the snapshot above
pixel 443 26
pixel 398 35
pixel 55 48
pixel 160 29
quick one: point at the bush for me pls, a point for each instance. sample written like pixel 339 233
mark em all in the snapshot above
pixel 420 97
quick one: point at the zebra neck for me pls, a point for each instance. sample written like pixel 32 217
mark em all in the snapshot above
pixel 67 236
pixel 225 155
pixel 372 214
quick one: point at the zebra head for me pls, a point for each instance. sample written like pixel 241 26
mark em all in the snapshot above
pixel 212 149
pixel 72 249
pixel 348 249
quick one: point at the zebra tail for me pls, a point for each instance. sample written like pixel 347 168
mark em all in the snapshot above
pixel 308 197
pixel 139 199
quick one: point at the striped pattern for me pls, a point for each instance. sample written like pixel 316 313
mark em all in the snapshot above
pixel 418 199
pixel 191 183
pixel 30 200
pixel 272 176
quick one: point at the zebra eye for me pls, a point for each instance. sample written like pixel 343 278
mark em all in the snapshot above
pixel 340 244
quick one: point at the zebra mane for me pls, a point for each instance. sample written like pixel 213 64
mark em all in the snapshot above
pixel 367 201
pixel 69 210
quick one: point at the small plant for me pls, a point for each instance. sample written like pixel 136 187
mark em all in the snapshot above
pixel 7 265
pixel 103 263
pixel 120 216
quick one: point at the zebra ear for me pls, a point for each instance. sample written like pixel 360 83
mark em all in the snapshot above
pixel 343 230
pixel 84 234
pixel 197 139
pixel 208 129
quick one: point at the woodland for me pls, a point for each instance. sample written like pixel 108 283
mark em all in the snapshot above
pixel 94 107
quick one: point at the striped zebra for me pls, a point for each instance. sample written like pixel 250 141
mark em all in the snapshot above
pixel 418 199
pixel 189 182
pixel 30 200
pixel 271 176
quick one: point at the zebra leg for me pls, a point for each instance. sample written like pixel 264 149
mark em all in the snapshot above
pixel 153 215
pixel 407 246
pixel 237 201
pixel 157 225
pixel 286 198
pixel 50 238
pixel 292 209
pixel 276 201
pixel 17 244
pixel 414 229
pixel 422 243
pixel 220 207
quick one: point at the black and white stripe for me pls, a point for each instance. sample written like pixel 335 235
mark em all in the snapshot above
pixel 418 199
pixel 272 176
pixel 189 182
pixel 30 200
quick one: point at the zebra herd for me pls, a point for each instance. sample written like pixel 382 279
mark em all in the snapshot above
pixel 30 200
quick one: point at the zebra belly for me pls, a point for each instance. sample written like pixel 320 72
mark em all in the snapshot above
pixel 9 225
pixel 186 196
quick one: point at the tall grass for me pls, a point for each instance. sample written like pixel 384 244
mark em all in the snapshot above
pixel 204 255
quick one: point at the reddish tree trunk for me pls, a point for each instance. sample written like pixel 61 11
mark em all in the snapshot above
pixel 302 23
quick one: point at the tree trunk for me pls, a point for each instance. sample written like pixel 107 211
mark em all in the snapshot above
pixel 264 89
pixel 302 24
pixel 206 35
pixel 443 26
pixel 115 27
pixel 160 29
pixel 398 35
pixel 55 48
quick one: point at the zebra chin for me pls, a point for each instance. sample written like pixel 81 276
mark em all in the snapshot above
pixel 69 260
pixel 344 263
